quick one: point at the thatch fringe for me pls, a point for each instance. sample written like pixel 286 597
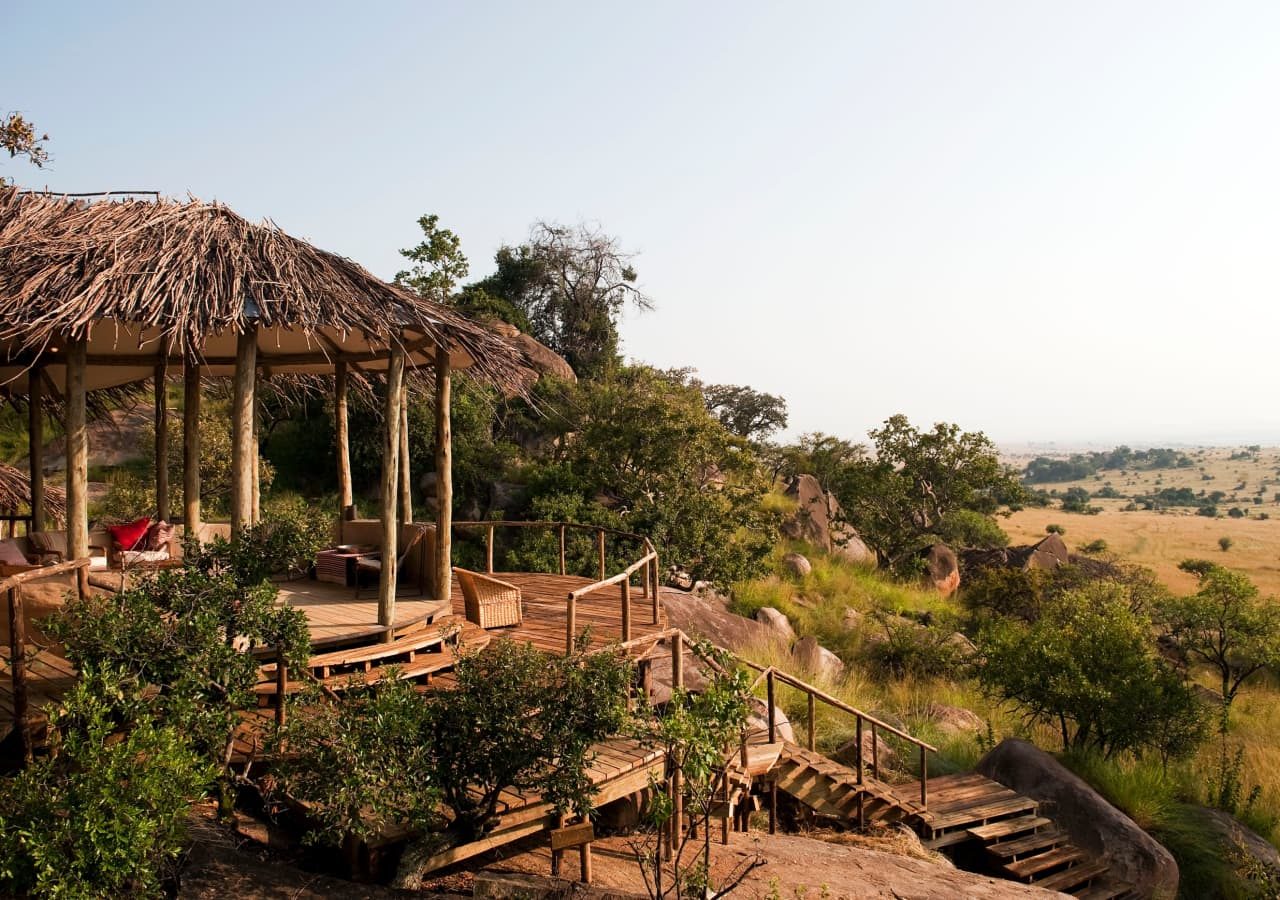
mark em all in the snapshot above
pixel 192 269
pixel 15 495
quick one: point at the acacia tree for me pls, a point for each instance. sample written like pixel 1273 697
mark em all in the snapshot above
pixel 569 284
pixel 1225 626
pixel 919 483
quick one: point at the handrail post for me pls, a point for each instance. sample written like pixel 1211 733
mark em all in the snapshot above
pixel 625 590
pixel 563 568
pixel 18 671
pixel 644 581
pixel 571 624
pixel 488 551
pixel 677 660
pixel 600 548
pixel 772 716
pixel 875 753
pixel 657 587
pixel 813 722
pixel 924 779
pixel 858 754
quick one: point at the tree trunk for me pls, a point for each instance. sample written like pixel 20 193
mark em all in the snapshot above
pixel 35 445
pixel 406 486
pixel 390 495
pixel 191 448
pixel 77 453
pixel 243 452
pixel 162 442
pixel 346 498
pixel 443 580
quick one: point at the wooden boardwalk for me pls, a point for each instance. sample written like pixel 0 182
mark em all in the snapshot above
pixel 335 614
pixel 49 676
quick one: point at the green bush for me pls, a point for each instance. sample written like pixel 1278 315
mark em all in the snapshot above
pixel 104 813
pixel 1088 667
pixel 911 649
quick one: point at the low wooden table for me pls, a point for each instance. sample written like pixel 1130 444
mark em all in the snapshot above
pixel 338 566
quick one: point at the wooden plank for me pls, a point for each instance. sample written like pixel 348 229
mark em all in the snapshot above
pixel 572 836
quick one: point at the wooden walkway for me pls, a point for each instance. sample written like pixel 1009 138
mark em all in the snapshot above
pixel 49 676
pixel 335 615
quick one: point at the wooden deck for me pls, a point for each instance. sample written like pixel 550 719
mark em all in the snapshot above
pixel 335 614
pixel 49 676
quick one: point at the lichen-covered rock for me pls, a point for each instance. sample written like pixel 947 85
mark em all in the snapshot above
pixel 954 720
pixel 797 564
pixel 942 569
pixel 811 656
pixel 776 622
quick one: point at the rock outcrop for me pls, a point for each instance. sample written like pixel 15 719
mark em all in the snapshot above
pixel 541 358
pixel 955 720
pixel 777 622
pixel 811 656
pixel 703 618
pixel 797 564
pixel 942 569
pixel 1093 823
pixel 820 521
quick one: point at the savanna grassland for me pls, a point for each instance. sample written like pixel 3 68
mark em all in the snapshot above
pixel 1161 538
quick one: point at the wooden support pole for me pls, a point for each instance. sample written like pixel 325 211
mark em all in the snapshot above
pixel 875 753
pixel 625 591
pixel 677 785
pixel 244 454
pixel 390 493
pixel 342 436
pixel 644 581
pixel 570 623
pixel 773 807
pixel 600 548
pixel 18 672
pixel 406 486
pixel 191 448
pixel 162 440
pixel 77 452
pixel 813 722
pixel 557 855
pixel 488 550
pixel 677 660
pixel 444 477
pixel 35 446
pixel 857 750
pixel 257 459
pixel 584 862
pixel 282 686
pixel 563 568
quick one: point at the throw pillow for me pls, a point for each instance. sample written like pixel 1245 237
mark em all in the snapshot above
pixel 11 554
pixel 159 535
pixel 128 537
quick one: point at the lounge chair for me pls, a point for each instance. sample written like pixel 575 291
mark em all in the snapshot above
pixel 372 563
pixel 489 602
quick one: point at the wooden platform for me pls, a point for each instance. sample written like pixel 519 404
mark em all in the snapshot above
pixel 335 615
pixel 49 676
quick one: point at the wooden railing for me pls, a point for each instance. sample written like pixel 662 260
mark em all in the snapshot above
pixel 646 565
pixel 9 525
pixel 770 675
pixel 11 587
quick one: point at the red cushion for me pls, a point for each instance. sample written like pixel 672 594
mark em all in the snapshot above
pixel 128 537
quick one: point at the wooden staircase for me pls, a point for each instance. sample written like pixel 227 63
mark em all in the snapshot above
pixel 418 652
pixel 1001 829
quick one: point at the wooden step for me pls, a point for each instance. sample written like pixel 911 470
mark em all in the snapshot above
pixel 1007 827
pixel 1069 879
pixel 1031 866
pixel 1021 846
pixel 421 639
pixel 978 815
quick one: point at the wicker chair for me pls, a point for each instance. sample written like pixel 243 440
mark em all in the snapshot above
pixel 489 602
pixel 372 564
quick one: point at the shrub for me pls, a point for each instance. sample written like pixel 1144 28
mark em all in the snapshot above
pixel 1054 528
pixel 1097 546
pixel 104 813
pixel 910 649
pixel 969 528
pixel 1226 543
pixel 1088 667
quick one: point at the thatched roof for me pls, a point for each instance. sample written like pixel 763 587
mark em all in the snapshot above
pixel 15 495
pixel 135 276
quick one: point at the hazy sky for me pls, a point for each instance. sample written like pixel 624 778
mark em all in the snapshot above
pixel 1045 220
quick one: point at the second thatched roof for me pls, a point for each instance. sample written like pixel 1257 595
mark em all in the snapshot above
pixel 136 276
pixel 15 495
